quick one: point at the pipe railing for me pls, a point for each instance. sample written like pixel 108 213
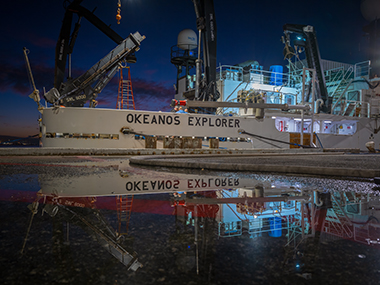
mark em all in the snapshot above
pixel 257 75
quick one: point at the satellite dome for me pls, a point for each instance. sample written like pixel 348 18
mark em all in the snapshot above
pixel 370 9
pixel 187 39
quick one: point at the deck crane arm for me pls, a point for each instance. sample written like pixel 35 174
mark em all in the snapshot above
pixel 65 43
pixel 313 59
pixel 76 92
pixel 206 25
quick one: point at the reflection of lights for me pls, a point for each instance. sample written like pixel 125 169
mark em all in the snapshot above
pixel 255 216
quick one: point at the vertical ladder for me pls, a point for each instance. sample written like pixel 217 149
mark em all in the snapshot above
pixel 124 209
pixel 125 99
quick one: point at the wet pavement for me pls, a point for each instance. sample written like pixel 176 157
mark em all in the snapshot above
pixel 315 163
pixel 100 220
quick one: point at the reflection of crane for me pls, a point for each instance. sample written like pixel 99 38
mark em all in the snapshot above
pixel 195 228
pixel 82 212
pixel 124 210
pixel 272 213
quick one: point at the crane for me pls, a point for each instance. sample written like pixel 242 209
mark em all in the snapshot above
pixel 313 58
pixel 75 92
pixel 206 25
pixel 36 93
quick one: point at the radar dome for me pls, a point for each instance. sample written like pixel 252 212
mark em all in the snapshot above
pixel 187 39
pixel 370 9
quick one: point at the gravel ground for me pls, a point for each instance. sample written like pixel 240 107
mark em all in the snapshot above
pixel 359 161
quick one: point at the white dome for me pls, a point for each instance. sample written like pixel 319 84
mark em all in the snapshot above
pixel 370 9
pixel 187 39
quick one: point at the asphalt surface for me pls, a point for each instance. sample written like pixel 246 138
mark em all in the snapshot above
pixel 321 164
pixel 301 162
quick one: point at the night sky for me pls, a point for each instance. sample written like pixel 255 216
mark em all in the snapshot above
pixel 246 30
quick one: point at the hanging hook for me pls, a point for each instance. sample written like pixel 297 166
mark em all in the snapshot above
pixel 118 16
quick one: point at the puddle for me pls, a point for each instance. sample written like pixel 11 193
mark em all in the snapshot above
pixel 113 223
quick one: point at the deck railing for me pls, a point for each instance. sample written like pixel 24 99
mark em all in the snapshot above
pixel 358 108
pixel 257 75
pixel 362 69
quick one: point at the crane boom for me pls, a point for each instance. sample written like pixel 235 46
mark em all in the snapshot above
pixel 36 93
pixel 66 41
pixel 313 59
pixel 206 24
pixel 76 92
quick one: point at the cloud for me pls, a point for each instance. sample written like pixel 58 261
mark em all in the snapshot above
pixel 43 42
pixel 148 95
pixel 150 72
pixel 14 77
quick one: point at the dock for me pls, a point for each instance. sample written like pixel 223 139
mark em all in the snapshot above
pixel 310 162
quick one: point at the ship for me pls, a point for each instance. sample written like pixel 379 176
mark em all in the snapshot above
pixel 315 104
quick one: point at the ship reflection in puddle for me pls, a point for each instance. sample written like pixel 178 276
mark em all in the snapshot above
pixel 207 211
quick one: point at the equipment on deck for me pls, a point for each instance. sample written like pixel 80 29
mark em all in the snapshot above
pixel 75 92
pixel 308 40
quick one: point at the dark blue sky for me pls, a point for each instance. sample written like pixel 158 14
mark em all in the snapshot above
pixel 246 30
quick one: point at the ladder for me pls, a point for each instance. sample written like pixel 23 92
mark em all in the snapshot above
pixel 349 109
pixel 337 222
pixel 124 210
pixel 125 99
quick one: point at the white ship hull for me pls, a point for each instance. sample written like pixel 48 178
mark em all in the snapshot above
pixel 109 128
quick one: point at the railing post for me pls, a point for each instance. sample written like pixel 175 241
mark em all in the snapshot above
pixel 312 108
pixel 303 103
